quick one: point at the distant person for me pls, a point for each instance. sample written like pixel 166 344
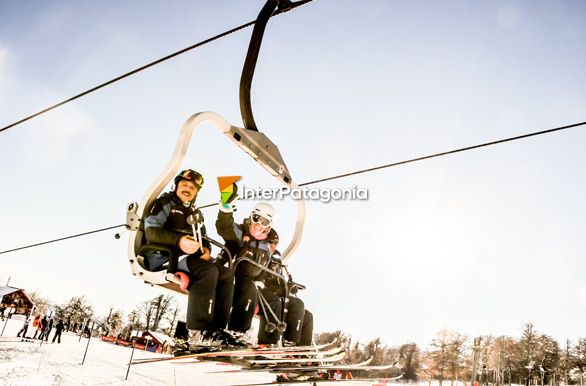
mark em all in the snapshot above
pixel 44 324
pixel 210 286
pixel 49 328
pixel 24 328
pixel 58 330
pixel 37 326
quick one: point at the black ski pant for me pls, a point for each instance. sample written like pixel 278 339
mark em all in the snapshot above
pixel 299 321
pixel 23 331
pixel 57 336
pixel 210 295
pixel 307 329
pixel 244 304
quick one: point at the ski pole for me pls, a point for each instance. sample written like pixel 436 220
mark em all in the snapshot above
pixel 281 325
pixel 88 343
pixel 131 355
pixel 270 326
pixel 5 323
pixel 82 329
pixel 195 229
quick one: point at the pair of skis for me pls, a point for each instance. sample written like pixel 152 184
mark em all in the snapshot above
pixel 257 355
pixel 307 364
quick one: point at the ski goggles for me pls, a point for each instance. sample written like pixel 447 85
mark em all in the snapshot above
pixel 258 219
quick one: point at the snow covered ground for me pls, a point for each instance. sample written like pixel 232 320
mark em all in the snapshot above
pixel 23 363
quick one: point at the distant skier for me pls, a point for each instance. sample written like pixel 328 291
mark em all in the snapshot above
pixel 24 328
pixel 49 328
pixel 44 324
pixel 299 320
pixel 58 330
pixel 247 239
pixel 37 326
pixel 210 285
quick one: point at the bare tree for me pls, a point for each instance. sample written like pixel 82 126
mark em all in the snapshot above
pixel 154 310
pixel 446 356
pixel 172 318
pixel 580 360
pixel 41 303
pixel 327 337
pixel 133 324
pixel 549 358
pixel 567 362
pixel 409 360
pixel 76 311
pixel 502 358
pixel 112 324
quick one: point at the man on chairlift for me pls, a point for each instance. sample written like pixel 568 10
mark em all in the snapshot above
pixel 171 222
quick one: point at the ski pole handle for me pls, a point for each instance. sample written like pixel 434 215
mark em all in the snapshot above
pixel 198 237
pixel 196 230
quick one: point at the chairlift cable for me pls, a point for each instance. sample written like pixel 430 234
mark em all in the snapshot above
pixel 151 64
pixel 63 238
pixel 444 153
pixel 343 176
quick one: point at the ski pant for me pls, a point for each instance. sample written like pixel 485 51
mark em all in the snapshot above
pixel 57 336
pixel 210 295
pixel 23 331
pixel 306 338
pixel 299 321
pixel 244 304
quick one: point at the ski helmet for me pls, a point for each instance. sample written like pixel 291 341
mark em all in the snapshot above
pixel 189 175
pixel 263 214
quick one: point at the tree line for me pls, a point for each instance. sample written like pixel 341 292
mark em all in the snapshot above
pixel 160 313
pixel 532 359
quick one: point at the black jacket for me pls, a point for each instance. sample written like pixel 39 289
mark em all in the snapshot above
pixel 167 222
pixel 234 237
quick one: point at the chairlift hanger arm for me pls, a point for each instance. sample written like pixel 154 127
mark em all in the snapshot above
pixel 252 55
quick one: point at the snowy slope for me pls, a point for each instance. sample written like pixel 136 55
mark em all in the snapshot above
pixel 23 363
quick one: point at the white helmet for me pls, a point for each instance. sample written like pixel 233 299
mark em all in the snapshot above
pixel 263 211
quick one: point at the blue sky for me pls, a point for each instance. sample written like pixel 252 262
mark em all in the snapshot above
pixel 481 241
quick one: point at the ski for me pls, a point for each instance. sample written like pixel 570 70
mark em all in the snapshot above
pixel 319 368
pixel 245 358
pixel 301 369
pixel 317 381
pixel 250 355
pixel 20 341
pixel 268 362
pixel 351 366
